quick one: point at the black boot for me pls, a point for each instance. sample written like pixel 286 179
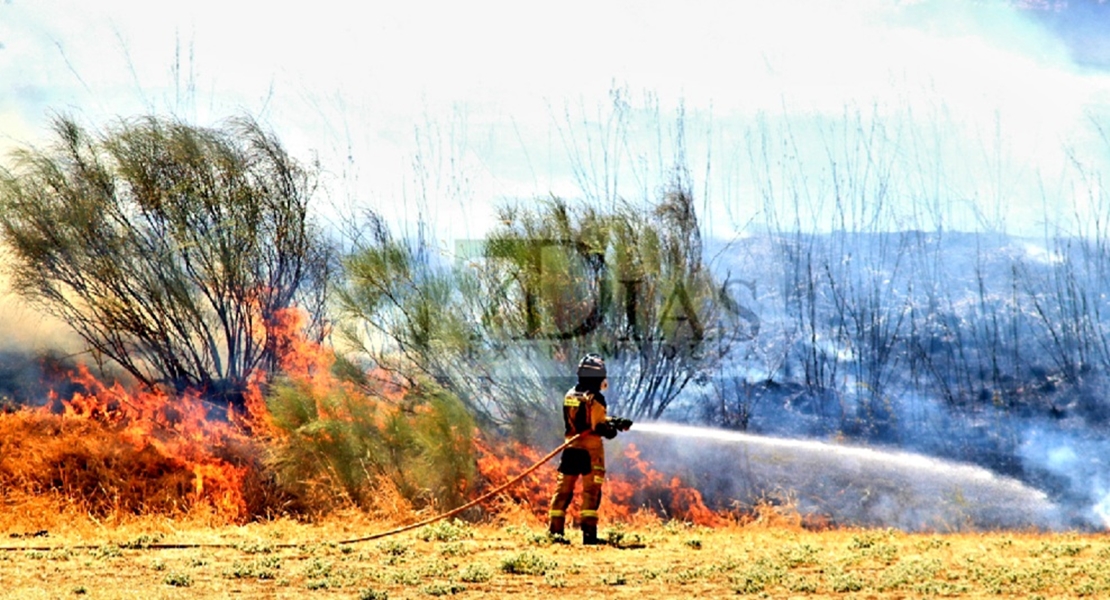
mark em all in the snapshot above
pixel 555 531
pixel 589 536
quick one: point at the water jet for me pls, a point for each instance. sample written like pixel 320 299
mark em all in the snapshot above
pixel 851 485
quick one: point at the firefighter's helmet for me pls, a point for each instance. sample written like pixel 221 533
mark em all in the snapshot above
pixel 592 366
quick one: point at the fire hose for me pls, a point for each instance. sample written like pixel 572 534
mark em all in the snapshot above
pixel 367 538
pixel 471 504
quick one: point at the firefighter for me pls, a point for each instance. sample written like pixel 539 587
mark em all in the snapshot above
pixel 584 411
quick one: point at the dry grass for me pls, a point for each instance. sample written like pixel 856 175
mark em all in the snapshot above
pixel 81 501
pixel 111 465
pixel 767 558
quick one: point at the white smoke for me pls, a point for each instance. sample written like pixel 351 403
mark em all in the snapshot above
pixel 24 328
pixel 1078 458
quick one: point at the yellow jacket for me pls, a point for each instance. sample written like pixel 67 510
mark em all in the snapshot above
pixel 585 412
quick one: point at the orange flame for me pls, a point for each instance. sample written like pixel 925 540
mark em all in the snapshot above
pixel 310 363
pixel 174 428
pixel 215 457
pixel 217 466
pixel 637 488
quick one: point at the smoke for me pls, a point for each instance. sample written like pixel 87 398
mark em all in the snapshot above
pixel 1075 457
pixel 37 352
pixel 24 328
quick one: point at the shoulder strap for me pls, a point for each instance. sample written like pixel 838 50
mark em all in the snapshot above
pixel 577 407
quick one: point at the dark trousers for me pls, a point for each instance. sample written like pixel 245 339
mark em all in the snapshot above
pixel 591 493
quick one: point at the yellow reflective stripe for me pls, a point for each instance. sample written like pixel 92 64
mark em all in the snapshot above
pixel 599 479
pixel 557 513
pixel 571 401
pixel 599 468
pixel 588 513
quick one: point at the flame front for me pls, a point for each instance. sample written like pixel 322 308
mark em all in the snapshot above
pixel 169 437
pixel 632 490
pixel 113 450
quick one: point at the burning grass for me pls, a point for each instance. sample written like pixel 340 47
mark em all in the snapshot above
pixel 111 453
pixel 310 443
pixel 638 491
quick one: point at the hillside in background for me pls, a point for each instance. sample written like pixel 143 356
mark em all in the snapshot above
pixel 979 348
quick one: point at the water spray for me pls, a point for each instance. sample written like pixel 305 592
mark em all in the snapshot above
pixel 849 484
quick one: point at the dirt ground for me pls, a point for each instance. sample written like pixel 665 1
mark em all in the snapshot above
pixel 285 559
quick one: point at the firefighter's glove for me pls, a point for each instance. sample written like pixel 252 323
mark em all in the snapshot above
pixel 620 424
pixel 606 430
pixel 613 425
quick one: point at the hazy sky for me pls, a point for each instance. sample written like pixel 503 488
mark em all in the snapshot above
pixel 465 104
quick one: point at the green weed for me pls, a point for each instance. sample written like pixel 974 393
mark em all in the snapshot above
pixel 614 579
pixel 1064 549
pixel 939 588
pixel 526 563
pixel 673 527
pixel 317 569
pixel 443 589
pixel 475 573
pixel 843 582
pixel 393 548
pixel 178 580
pixel 868 539
pixel 909 573
pixel 614 534
pixel 255 548
pixel 617 537
pixel 689 575
pixel 436 568
pixel 404 577
pixel 454 549
pixel 800 584
pixel 143 541
pixel 758 577
pixel 534 538
pixel 798 555
pixel 107 551
pixel 446 531
pixel 937 543
pixel 262 568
